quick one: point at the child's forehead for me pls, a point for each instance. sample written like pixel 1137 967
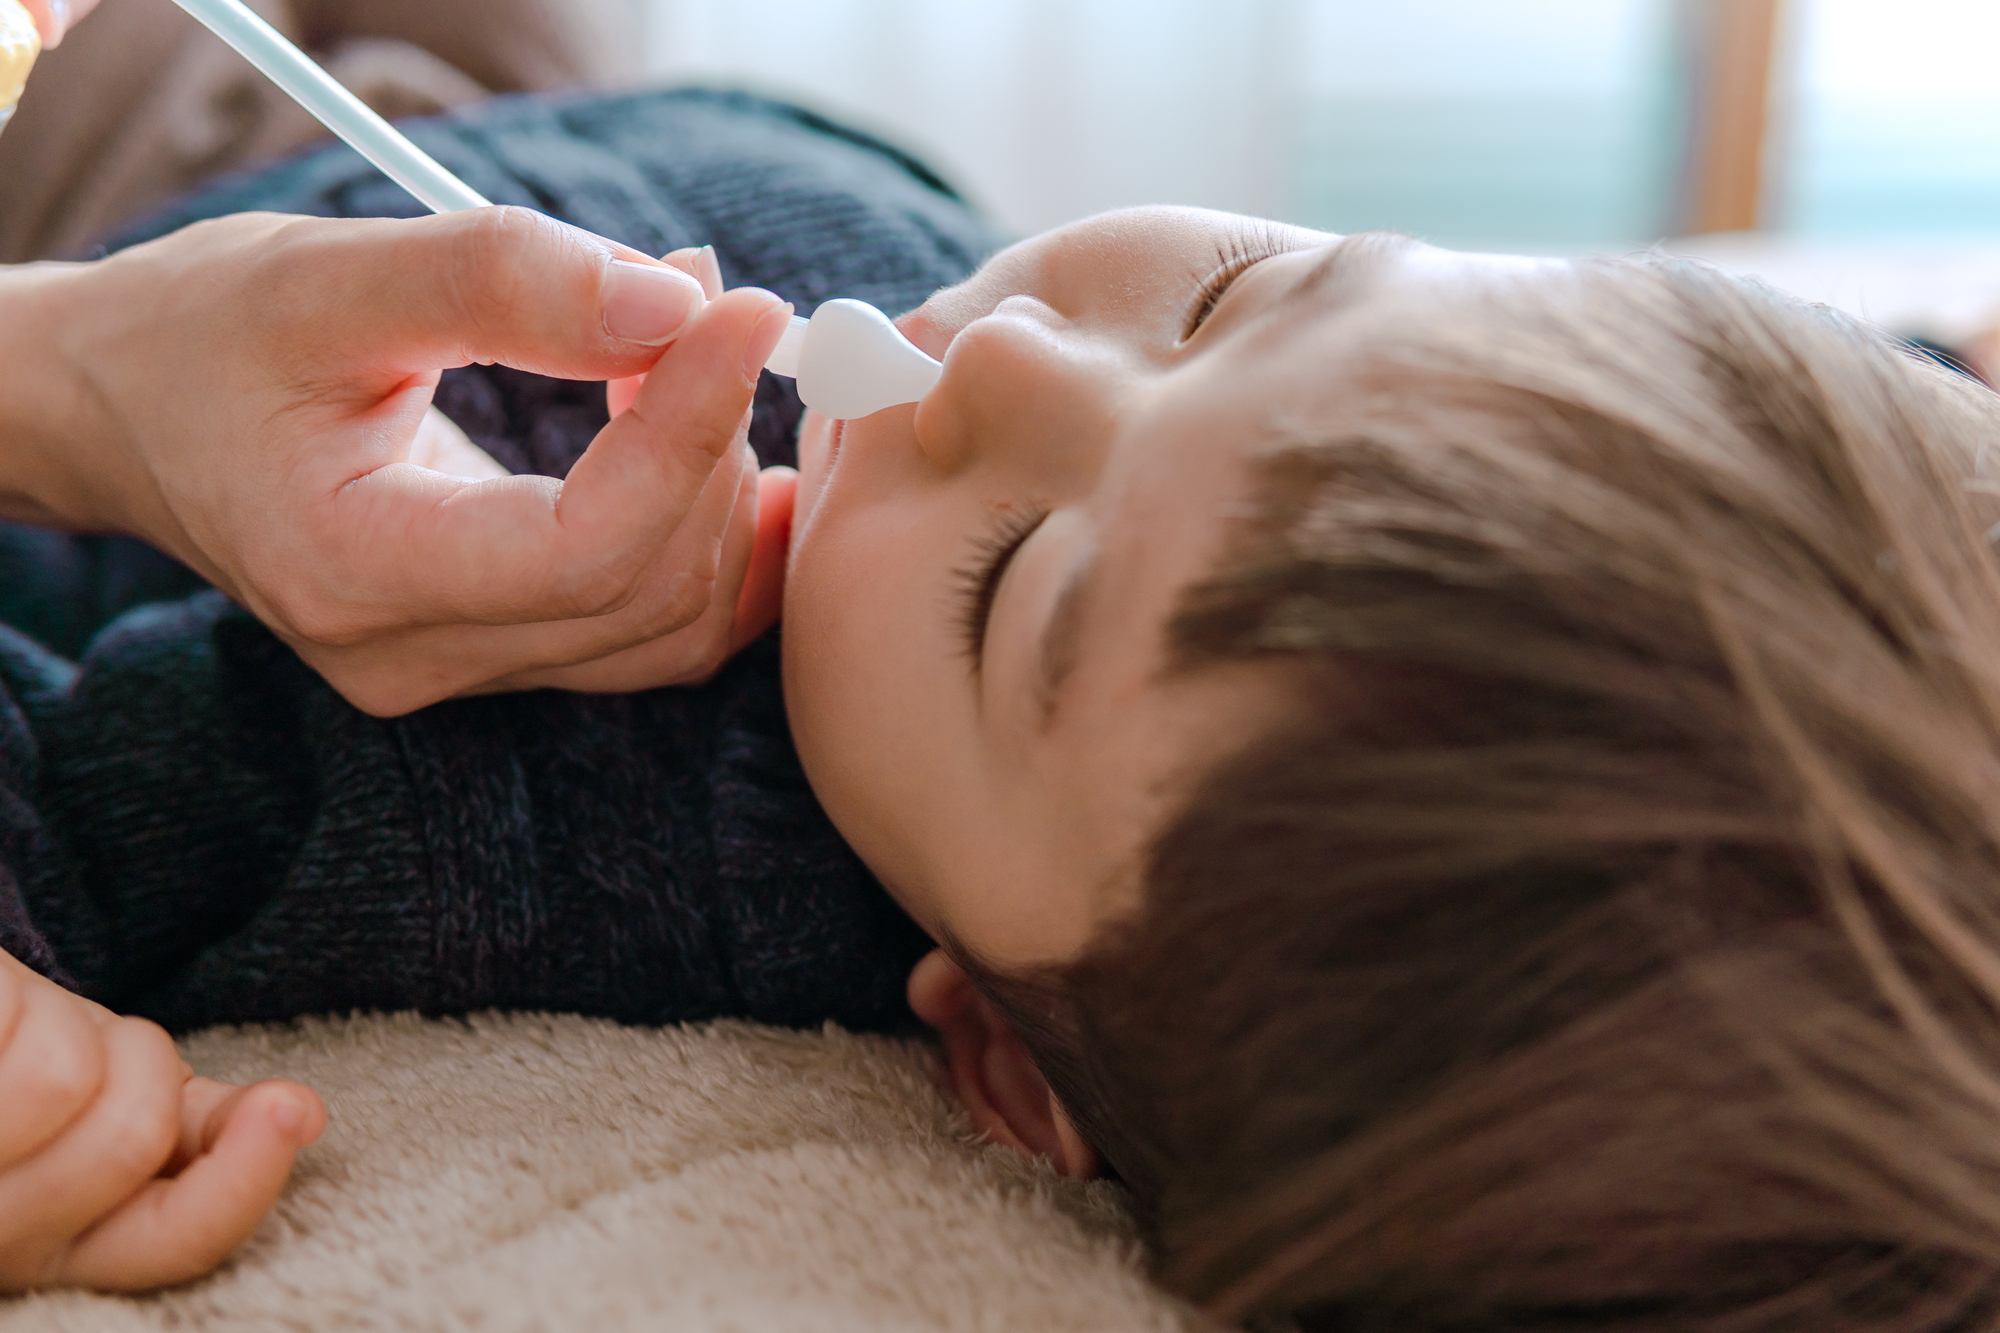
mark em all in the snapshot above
pixel 1319 315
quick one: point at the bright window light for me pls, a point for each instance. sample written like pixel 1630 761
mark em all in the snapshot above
pixel 1896 122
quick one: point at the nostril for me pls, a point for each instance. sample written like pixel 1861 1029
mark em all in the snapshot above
pixel 996 368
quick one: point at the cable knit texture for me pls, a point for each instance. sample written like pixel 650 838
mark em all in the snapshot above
pixel 195 827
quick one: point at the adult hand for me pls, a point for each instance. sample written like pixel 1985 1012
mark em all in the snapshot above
pixel 55 17
pixel 251 396
pixel 118 1169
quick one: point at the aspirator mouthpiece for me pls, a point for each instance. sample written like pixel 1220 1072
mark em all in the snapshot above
pixel 850 361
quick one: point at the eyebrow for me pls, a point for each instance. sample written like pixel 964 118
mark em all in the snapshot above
pixel 1340 262
pixel 1062 635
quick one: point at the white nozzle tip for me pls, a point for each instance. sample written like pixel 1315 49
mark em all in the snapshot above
pixel 784 358
pixel 854 363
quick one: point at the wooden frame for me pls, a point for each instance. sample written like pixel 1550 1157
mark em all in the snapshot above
pixel 1732 49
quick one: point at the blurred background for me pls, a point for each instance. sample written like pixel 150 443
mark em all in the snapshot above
pixel 1547 124
pixel 1846 149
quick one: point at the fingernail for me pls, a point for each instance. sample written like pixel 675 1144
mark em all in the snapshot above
pixel 287 1114
pixel 764 335
pixel 59 21
pixel 648 304
pixel 709 269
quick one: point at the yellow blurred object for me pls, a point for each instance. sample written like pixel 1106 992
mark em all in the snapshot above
pixel 19 45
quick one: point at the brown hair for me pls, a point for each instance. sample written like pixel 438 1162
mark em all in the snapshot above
pixel 1610 937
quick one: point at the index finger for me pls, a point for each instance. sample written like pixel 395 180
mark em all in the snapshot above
pixel 52 1062
pixel 434 550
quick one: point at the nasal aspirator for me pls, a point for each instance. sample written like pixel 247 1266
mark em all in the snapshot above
pixel 848 358
pixel 850 361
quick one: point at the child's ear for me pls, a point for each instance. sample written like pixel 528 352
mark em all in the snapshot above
pixel 993 1074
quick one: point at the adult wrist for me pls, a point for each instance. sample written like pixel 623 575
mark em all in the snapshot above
pixel 53 428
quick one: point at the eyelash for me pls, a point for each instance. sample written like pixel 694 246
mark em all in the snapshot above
pixel 1234 257
pixel 978 580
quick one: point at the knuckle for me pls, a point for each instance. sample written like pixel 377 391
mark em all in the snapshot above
pixel 703 436
pixel 383 698
pixel 379 691
pixel 603 590
pixel 699 657
pixel 700 675
pixel 281 262
pixel 686 599
pixel 67 1075
pixel 707 660
pixel 149 1041
pixel 496 261
pixel 713 439
pixel 141 1121
pixel 137 1142
pixel 315 618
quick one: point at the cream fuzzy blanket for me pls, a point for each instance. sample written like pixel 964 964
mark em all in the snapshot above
pixel 518 1172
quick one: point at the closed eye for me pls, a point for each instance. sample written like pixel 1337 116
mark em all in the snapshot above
pixel 1242 252
pixel 979 580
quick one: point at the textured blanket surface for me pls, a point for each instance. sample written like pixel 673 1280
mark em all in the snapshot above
pixel 515 1172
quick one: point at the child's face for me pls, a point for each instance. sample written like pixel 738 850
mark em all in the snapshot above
pixel 979 583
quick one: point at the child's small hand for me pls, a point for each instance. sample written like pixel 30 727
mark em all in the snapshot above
pixel 118 1168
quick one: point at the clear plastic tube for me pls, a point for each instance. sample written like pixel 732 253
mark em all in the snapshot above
pixel 865 364
pixel 333 106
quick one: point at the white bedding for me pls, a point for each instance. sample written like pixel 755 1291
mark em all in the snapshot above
pixel 518 1172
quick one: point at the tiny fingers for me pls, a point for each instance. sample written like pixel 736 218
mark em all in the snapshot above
pixel 52 1065
pixel 99 1162
pixel 178 1228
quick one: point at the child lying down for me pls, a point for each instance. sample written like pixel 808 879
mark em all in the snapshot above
pixel 1468 783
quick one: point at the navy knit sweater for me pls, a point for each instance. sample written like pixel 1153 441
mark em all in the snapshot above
pixel 194 827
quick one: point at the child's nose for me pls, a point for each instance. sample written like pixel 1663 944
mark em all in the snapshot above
pixel 1020 384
